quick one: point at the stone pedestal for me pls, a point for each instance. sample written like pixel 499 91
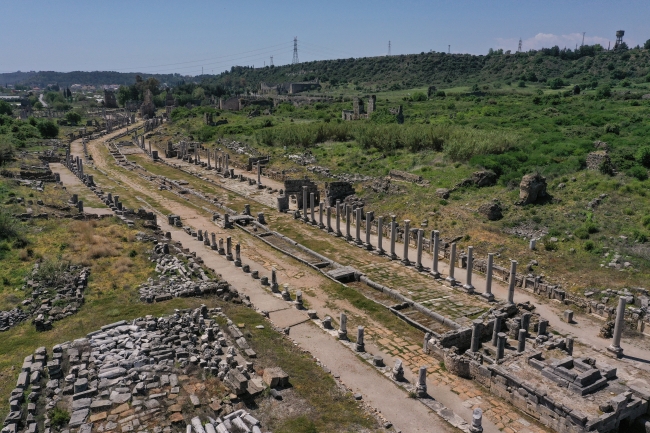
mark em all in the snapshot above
pixel 360 346
pixel 421 386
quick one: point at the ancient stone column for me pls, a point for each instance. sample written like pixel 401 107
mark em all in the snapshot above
pixel 380 236
pixel 421 386
pixel 247 209
pixel 305 203
pixel 298 301
pixel 343 327
pixel 360 347
pixel 312 204
pixel 80 206
pixel 452 264
pixel 209 165
pixel 420 247
pixel 569 345
pixel 615 347
pixel 357 227
pixel 348 218
pixel 227 157
pixel 397 373
pixel 525 321
pixel 259 174
pixel 338 218
pixel 476 335
pixel 321 206
pixel 237 255
pixel 213 237
pixel 488 277
pixel 228 248
pixel 199 236
pixel 328 212
pixel 477 421
pixel 541 328
pixel 393 238
pixel 511 281
pixel 274 281
pixel 497 328
pixel 470 268
pixel 521 346
pixel 435 241
pixel 368 245
pixel 501 345
pixel 407 233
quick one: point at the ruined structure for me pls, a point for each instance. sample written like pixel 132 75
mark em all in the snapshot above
pixel 289 88
pixel 295 190
pixel 337 191
pixel 358 111
pixel 109 99
pixel 147 109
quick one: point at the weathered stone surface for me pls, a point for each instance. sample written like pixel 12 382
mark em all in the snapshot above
pixel 275 377
pixel 532 188
pixel 491 211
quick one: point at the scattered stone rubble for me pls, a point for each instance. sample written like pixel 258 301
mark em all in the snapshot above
pixel 181 275
pixel 54 296
pixel 134 376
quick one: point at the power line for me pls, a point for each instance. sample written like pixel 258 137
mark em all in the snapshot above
pixel 295 60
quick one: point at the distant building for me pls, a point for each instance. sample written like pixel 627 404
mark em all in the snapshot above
pixel 289 88
pixel 358 111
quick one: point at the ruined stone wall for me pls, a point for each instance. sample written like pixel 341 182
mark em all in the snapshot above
pixel 230 104
pixel 405 176
pixel 337 191
pixel 595 159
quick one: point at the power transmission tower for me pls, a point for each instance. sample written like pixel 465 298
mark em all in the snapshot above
pixel 295 60
pixel 583 39
pixel 448 49
pixel 271 60
pixel 389 48
pixel 519 47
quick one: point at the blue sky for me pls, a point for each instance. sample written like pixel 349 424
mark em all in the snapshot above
pixel 182 36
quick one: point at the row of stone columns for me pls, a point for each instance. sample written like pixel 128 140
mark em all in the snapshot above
pixel 308 216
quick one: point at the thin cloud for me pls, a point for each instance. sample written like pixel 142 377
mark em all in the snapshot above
pixel 548 40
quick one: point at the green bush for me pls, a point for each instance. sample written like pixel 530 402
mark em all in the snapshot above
pixel 646 221
pixel 603 92
pixel 589 246
pixel 637 172
pixel 612 129
pixel 581 233
pixel 418 97
pixel 642 156
pixel 59 418
pixel 639 236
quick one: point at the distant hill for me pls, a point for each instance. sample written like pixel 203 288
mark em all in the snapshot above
pixel 586 64
pixel 95 78
pixel 448 70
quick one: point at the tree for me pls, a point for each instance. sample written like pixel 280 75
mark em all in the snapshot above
pixel 576 89
pixel 48 129
pixel 198 93
pixel 73 117
pixel 38 105
pixel 5 108
pixel 647 45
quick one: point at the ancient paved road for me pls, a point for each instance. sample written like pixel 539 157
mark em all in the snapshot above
pixel 585 328
pixel 404 413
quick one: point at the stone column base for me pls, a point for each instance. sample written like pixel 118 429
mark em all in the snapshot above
pixel 614 351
